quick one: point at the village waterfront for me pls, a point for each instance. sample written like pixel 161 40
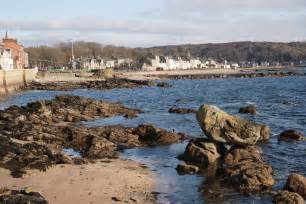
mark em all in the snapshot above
pixel 280 104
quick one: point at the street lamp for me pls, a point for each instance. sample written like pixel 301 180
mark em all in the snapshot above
pixel 72 54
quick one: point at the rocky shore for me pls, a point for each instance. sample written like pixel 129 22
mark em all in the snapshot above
pixel 35 136
pixel 35 139
pixel 225 75
pixel 231 155
pixel 94 84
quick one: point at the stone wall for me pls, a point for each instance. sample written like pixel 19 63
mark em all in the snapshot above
pixel 12 80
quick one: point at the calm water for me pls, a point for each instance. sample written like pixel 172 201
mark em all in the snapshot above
pixel 268 94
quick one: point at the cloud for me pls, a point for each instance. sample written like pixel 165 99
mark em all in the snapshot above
pixel 174 22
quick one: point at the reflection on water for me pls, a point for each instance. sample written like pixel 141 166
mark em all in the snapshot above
pixel 280 103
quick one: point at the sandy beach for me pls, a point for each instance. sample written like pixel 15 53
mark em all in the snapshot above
pixel 118 181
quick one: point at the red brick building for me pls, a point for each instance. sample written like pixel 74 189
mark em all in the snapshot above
pixel 20 57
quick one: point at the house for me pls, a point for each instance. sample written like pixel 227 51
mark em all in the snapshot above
pixel 211 64
pixel 224 65
pixel 110 63
pixel 196 64
pixel 92 63
pixel 235 66
pixel 6 59
pixel 183 63
pixel 17 53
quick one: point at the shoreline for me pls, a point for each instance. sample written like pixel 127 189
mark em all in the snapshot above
pixel 210 73
pixel 110 181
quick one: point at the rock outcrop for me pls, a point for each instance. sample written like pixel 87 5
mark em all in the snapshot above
pixel 230 148
pixel 187 169
pixel 20 157
pixel 201 152
pixel 296 183
pixel 107 84
pixel 34 136
pixel 245 169
pixel 62 109
pixel 251 109
pixel 182 110
pixel 224 128
pixel 152 136
pixel 163 85
pixel 286 197
pixel 21 197
pixel 291 135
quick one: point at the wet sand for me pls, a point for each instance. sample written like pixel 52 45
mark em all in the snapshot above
pixel 118 181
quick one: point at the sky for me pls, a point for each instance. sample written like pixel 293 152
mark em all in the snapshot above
pixel 146 23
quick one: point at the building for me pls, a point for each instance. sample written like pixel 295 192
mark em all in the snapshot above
pixel 99 63
pixel 11 49
pixel 6 59
pixel 184 63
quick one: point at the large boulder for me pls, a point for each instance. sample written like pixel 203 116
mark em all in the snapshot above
pixel 224 128
pixel 296 183
pixel 201 152
pixel 286 197
pixel 244 168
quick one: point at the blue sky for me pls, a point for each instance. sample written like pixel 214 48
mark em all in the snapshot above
pixel 146 23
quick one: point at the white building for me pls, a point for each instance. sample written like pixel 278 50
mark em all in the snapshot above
pixel 235 66
pixel 124 61
pixel 6 59
pixel 110 63
pixel 92 64
pixel 168 63
pixel 196 64
pixel 211 64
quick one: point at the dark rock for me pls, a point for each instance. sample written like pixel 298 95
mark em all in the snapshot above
pixel 286 197
pixel 291 135
pixel 286 103
pixel 152 136
pixel 116 199
pixel 89 143
pixel 221 127
pixel 245 169
pixel 42 129
pixel 182 110
pixel 187 169
pixel 163 85
pixel 251 109
pixel 296 183
pixel 22 197
pixel 20 157
pixel 201 152
pixel 94 84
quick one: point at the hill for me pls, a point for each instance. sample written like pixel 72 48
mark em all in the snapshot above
pixel 237 51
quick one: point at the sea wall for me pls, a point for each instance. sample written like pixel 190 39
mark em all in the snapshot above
pixel 13 80
pixel 45 76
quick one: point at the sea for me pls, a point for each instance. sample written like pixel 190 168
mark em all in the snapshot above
pixel 280 102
